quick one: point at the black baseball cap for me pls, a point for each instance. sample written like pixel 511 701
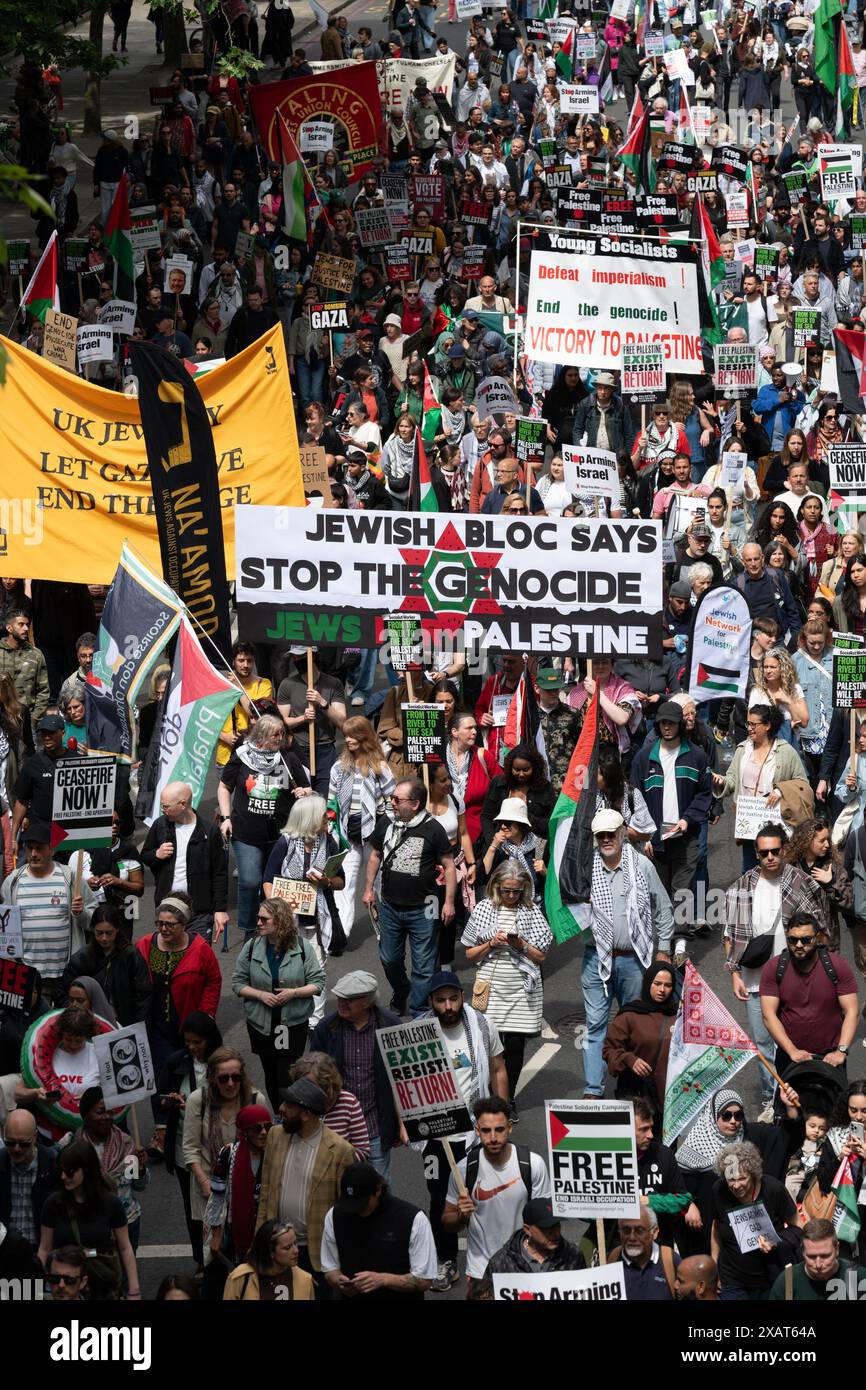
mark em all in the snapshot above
pixel 357 1185
pixel 539 1212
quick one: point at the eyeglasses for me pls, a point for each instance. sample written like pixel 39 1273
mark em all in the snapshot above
pixel 167 922
pixel 68 1279
pixel 765 853
pixel 233 1079
pixel 20 1143
pixel 731 1115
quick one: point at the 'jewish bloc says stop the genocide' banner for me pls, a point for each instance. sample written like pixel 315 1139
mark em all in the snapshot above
pixel 593 1158
pixel 847 464
pixel 582 308
pixel 718 664
pixel 520 584
pixel 426 1091
pixel 604 1285
pixel 83 801
pixel 75 461
pixel 126 1072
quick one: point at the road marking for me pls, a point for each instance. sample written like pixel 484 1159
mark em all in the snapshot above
pixel 163 1252
pixel 544 1055
pixel 547 1033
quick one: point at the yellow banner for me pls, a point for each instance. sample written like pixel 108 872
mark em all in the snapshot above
pixel 74 479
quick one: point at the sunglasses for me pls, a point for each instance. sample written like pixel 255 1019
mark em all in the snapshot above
pixel 19 1143
pixel 263 917
pixel 801 940
pixel 765 853
pixel 510 890
pixel 731 1115
pixel 233 1080
pixel 262 1126
pixel 68 1279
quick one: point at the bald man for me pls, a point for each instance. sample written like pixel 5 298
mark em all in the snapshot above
pixel 185 854
pixel 28 1174
pixel 697 1280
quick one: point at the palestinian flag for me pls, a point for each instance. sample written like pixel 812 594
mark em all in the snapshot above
pixel 846 1217
pixel 118 240
pixel 42 293
pixel 846 85
pixel 301 204
pixel 332 811
pixel 422 497
pixel 718 681
pixel 636 155
pixel 637 111
pixel 568 886
pixel 432 410
pixel 547 9
pixel 824 60
pixel 605 1129
pixel 565 57
pixel 855 343
pixel 196 705
pixel 712 268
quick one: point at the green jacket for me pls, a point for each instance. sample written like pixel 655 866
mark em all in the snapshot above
pixel 299 966
pixel 26 666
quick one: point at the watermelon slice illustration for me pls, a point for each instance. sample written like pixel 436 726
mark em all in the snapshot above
pixel 37 1068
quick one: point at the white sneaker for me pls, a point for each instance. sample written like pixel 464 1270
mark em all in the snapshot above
pixel 767 1115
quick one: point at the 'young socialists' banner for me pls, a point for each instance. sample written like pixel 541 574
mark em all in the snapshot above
pixel 532 584
pixel 582 308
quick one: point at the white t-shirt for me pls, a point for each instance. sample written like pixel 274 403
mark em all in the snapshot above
pixel 76 1070
pixel 457 1045
pixel 183 835
pixel 670 805
pixel 766 917
pixel 499 1196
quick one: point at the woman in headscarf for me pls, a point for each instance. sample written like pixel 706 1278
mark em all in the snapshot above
pixel 560 405
pixel 87 992
pixel 818 541
pixel 722 1121
pixel 639 1038
pixel 230 1216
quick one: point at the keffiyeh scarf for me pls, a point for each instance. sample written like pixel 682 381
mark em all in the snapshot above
pixel 638 908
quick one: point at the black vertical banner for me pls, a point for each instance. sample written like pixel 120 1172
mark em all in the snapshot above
pixel 185 486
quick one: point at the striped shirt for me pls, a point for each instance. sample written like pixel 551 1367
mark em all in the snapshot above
pixel 46 924
pixel 346 1118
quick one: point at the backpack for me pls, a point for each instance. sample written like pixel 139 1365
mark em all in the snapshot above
pixel 823 956
pixel 473 1160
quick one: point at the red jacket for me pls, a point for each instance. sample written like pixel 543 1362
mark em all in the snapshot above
pixel 197 979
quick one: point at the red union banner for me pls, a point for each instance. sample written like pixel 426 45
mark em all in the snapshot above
pixel 350 95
